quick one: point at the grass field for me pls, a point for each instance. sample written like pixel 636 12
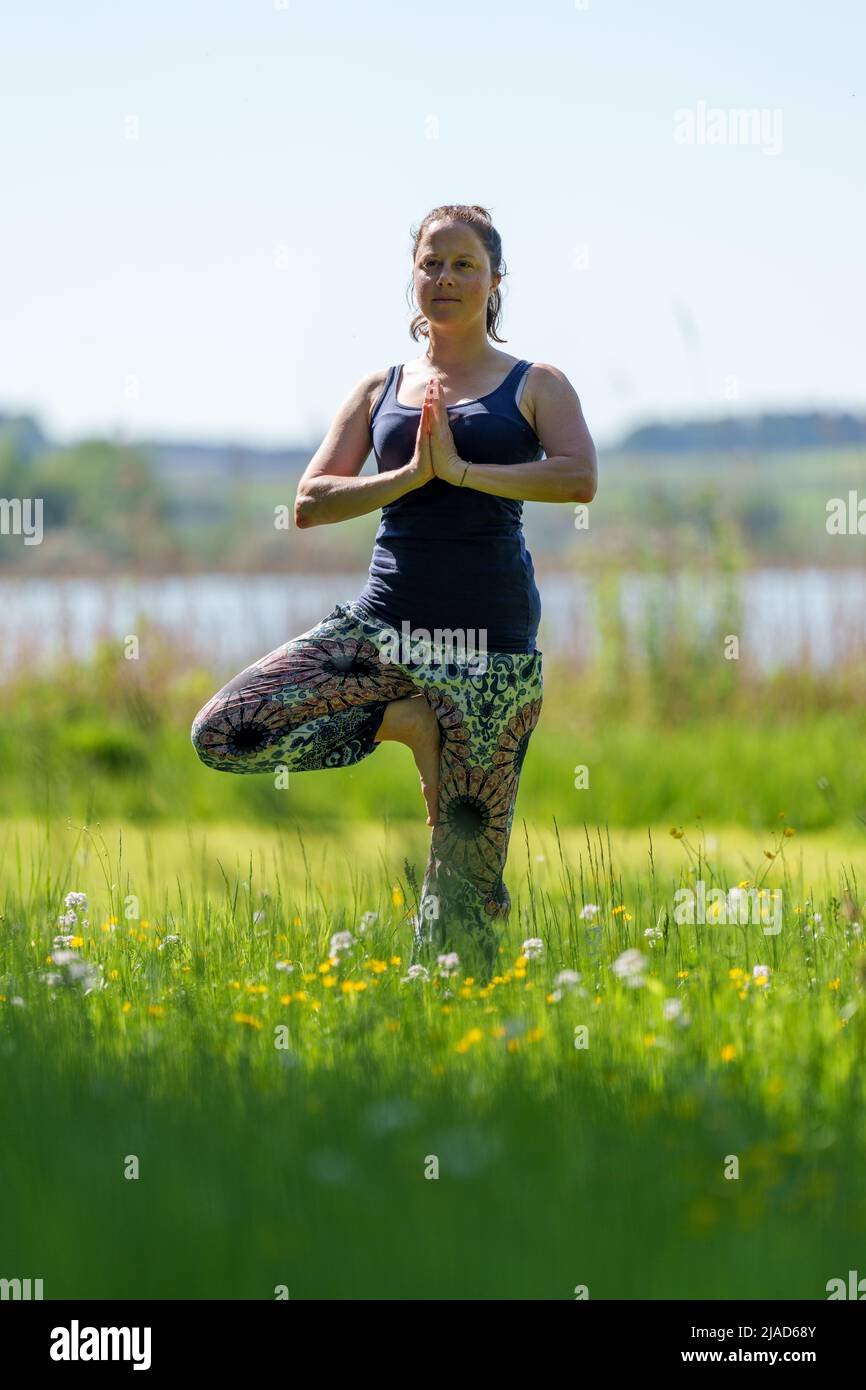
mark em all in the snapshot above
pixel 287 1123
pixel 208 1091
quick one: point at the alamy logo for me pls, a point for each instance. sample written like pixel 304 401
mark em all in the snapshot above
pixel 22 516
pixel 736 906
pixel 101 1344
pixel 21 1288
pixel 729 125
pixel 856 1287
pixel 443 645
pixel 846 518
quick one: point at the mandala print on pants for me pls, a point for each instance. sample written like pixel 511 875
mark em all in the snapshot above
pixel 317 702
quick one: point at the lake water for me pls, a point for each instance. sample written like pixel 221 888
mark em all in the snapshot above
pixel 231 620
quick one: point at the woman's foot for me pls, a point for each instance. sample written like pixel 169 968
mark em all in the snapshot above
pixel 412 721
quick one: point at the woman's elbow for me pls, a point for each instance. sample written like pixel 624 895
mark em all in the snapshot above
pixel 585 481
pixel 303 511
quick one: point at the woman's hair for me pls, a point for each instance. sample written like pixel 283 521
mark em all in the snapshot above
pixel 478 219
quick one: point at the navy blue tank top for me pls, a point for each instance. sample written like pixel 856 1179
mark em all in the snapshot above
pixel 449 557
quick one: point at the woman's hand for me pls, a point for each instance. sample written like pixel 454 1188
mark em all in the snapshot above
pixel 419 469
pixel 446 462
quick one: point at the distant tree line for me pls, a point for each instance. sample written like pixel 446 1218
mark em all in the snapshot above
pixel 806 431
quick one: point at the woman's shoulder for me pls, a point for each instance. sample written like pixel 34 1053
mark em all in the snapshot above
pixel 544 381
pixel 371 386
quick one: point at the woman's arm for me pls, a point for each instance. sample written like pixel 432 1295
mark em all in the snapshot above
pixel 569 473
pixel 558 478
pixel 330 490
pixel 326 498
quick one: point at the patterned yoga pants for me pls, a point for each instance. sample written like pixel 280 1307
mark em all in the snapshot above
pixel 318 701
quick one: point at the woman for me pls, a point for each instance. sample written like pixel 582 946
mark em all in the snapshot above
pixel 459 436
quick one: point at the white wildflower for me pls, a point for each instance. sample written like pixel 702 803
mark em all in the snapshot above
pixel 286 965
pixel 448 963
pixel 367 921
pixel 533 947
pixel 77 971
pixel 341 941
pixel 630 967
pixel 416 972
pixel 589 910
pixel 568 978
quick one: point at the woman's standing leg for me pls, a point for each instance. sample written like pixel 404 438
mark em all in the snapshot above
pixel 486 722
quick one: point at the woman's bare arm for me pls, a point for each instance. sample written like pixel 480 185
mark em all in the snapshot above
pixel 569 473
pixel 329 489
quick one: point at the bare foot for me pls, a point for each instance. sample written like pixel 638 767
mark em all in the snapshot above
pixel 412 721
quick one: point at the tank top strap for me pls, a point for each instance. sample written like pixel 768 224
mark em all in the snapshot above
pixel 513 379
pixel 511 385
pixel 387 395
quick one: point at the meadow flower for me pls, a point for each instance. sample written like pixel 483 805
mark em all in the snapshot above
pixel 367 921
pixel 76 971
pixel 568 978
pixel 76 900
pixel 168 941
pixel 63 940
pixel 68 919
pixel 286 965
pixel 416 972
pixel 448 963
pixel 672 1009
pixel 588 910
pixel 533 948
pixel 761 973
pixel 629 967
pixel 654 934
pixel 341 941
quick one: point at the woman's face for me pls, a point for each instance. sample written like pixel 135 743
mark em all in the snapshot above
pixel 452 274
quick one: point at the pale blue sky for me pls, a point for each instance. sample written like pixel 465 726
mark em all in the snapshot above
pixel 719 277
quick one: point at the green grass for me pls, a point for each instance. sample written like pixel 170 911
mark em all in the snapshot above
pixel 304 1165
